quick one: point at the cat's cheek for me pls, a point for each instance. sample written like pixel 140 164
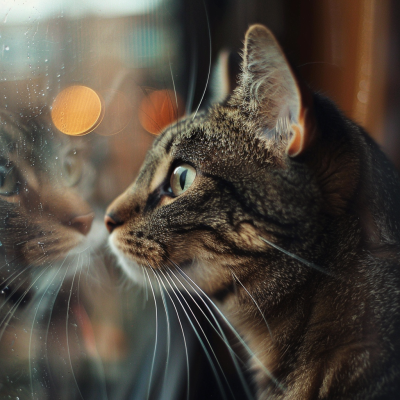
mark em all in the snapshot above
pixel 140 251
pixel 249 237
pixel 130 268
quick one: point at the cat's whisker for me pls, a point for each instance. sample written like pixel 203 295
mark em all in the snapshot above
pixel 183 335
pixel 193 74
pixel 209 66
pixel 302 260
pixel 222 390
pixel 147 288
pixel 152 120
pixel 78 291
pixel 162 289
pixel 146 114
pixel 219 331
pixel 233 330
pixel 156 337
pixel 176 97
pixel 144 285
pixel 87 269
pixel 253 300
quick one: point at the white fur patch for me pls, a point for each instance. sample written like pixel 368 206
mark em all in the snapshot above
pixel 133 270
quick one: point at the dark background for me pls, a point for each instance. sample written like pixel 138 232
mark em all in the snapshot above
pixel 348 50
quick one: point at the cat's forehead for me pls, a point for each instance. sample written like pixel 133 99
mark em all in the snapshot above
pixel 217 127
pixel 218 135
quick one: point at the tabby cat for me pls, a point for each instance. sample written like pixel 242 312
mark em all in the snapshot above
pixel 287 214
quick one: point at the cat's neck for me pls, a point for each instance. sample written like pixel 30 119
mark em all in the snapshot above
pixel 304 340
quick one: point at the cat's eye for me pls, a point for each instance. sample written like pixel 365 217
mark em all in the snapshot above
pixel 8 180
pixel 72 169
pixel 182 178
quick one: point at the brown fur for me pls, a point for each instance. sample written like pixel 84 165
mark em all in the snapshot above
pixel 279 163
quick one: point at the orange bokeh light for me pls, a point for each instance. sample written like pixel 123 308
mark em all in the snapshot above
pixel 159 109
pixel 77 110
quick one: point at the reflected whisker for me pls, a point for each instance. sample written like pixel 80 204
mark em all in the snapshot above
pixel 51 307
pixel 67 333
pixel 48 325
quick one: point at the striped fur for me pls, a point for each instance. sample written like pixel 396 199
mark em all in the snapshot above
pixel 319 191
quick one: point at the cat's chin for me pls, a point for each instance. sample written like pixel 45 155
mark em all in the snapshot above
pixel 131 268
pixel 141 275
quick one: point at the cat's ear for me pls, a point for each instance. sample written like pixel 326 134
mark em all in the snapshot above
pixel 271 94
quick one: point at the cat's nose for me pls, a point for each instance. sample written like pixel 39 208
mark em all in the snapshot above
pixel 111 222
pixel 82 223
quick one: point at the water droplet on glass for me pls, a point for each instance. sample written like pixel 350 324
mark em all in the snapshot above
pixel 6 48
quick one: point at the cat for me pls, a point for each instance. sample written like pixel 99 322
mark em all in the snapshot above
pixel 287 214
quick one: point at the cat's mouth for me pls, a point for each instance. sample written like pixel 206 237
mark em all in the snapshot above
pixel 143 251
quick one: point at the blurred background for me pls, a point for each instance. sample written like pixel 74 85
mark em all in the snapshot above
pixel 147 62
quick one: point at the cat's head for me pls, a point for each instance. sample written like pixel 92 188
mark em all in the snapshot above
pixel 272 162
pixel 43 214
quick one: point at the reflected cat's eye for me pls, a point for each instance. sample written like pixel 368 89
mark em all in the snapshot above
pixel 8 180
pixel 182 178
pixel 72 169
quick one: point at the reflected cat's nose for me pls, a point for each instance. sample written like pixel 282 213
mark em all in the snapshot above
pixel 111 222
pixel 82 223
